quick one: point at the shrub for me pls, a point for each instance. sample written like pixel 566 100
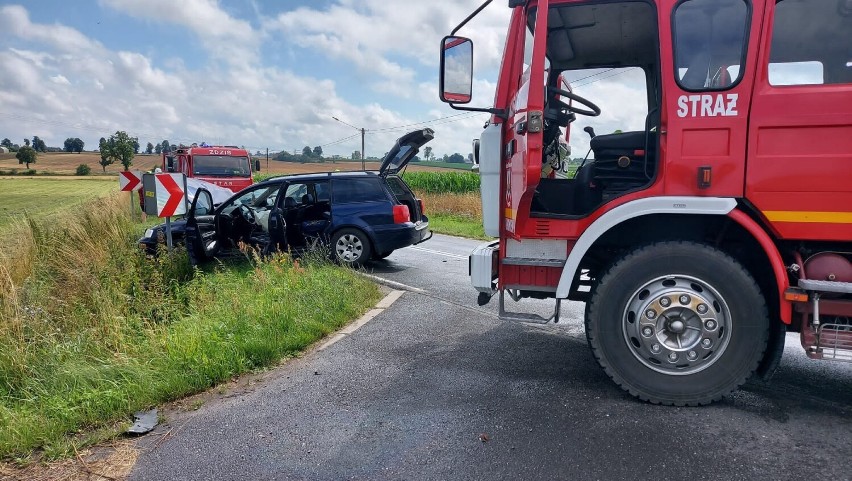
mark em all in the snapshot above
pixel 83 169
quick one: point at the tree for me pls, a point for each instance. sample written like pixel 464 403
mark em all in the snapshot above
pixel 78 144
pixel 149 148
pixel 158 149
pixel 26 155
pixel 306 151
pixel 6 143
pixel 103 147
pixel 427 152
pixel 26 142
pixel 318 151
pixel 356 155
pixel 165 146
pixel 120 148
pixel 456 158
pixel 38 144
pixel 69 145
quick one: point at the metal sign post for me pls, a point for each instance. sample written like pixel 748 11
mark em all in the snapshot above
pixel 169 233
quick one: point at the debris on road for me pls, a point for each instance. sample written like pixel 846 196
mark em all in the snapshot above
pixel 145 422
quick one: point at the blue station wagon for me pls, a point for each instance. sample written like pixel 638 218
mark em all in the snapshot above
pixel 360 216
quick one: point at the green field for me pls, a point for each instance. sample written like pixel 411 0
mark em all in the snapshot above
pixel 40 197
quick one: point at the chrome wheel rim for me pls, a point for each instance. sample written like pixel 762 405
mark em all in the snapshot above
pixel 349 248
pixel 677 325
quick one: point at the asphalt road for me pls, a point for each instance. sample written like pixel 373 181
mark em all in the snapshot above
pixel 435 387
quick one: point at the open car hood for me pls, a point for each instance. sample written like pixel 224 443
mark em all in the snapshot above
pixel 405 148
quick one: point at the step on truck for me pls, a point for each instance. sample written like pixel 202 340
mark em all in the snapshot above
pixel 226 166
pixel 705 231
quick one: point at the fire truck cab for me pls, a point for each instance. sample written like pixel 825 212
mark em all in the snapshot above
pixel 699 234
pixel 226 166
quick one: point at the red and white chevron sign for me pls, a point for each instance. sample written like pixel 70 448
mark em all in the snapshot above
pixel 130 180
pixel 171 197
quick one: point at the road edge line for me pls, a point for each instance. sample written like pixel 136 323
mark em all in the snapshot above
pixel 380 307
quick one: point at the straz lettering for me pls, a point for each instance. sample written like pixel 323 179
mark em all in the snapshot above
pixel 719 105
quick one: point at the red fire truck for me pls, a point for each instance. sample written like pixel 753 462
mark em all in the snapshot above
pixel 226 166
pixel 722 220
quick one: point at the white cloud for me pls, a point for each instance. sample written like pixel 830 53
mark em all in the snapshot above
pixel 372 33
pixel 60 79
pixel 225 37
pixel 15 21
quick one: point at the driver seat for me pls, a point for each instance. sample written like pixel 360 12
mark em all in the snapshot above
pixel 620 161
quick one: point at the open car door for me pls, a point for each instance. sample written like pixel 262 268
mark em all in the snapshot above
pixel 277 226
pixel 202 240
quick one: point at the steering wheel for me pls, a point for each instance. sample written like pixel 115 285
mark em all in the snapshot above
pixel 593 111
pixel 248 214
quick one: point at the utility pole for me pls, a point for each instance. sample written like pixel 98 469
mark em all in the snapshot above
pixel 267 159
pixel 363 130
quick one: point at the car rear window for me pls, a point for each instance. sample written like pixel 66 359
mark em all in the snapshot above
pixel 397 186
pixel 357 190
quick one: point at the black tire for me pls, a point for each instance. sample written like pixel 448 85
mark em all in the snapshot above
pixel 351 247
pixel 382 255
pixel 670 356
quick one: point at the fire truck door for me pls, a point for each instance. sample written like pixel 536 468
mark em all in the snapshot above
pixel 707 83
pixel 800 138
pixel 523 138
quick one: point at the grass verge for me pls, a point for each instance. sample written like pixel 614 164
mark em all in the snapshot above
pixel 455 214
pixel 91 330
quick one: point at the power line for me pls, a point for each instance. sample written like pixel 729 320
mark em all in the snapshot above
pixel 602 78
pixel 425 122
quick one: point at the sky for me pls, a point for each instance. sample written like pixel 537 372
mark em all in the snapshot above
pixel 255 73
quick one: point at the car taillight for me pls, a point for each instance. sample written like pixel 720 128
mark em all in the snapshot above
pixel 422 206
pixel 401 214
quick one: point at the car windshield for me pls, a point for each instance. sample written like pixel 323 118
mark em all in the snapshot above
pixel 264 197
pixel 220 165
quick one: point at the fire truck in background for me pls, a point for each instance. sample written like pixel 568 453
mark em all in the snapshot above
pixel 700 238
pixel 225 166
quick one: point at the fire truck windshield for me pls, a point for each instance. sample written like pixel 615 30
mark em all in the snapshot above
pixel 220 166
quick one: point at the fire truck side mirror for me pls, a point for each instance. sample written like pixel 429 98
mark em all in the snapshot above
pixel 256 165
pixel 170 163
pixel 456 70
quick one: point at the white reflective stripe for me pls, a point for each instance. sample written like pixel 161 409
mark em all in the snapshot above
pixel 637 208
pixel 537 248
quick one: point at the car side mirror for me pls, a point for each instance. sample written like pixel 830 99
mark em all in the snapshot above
pixel 170 163
pixel 456 76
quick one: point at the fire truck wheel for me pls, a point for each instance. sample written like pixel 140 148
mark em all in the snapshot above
pixel 677 323
pixel 351 247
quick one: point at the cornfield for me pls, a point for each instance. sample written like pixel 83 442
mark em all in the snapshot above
pixel 442 182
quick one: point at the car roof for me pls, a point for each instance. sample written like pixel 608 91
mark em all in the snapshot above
pixel 319 175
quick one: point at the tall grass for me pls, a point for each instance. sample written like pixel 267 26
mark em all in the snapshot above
pixel 455 214
pixel 442 182
pixel 92 330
